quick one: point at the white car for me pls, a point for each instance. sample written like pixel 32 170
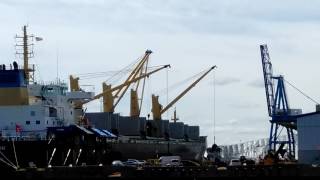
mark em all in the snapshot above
pixel 235 162
pixel 117 163
pixel 142 162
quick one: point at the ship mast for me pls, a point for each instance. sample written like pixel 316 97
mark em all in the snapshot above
pixel 23 48
pixel 25 53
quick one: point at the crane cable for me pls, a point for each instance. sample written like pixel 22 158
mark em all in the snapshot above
pixel 121 71
pixel 174 86
pixel 112 74
pixel 214 107
pixel 304 94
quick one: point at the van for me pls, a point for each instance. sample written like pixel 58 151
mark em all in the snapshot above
pixel 170 161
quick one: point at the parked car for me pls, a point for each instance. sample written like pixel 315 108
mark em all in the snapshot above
pixel 142 162
pixel 235 162
pixel 133 163
pixel 117 163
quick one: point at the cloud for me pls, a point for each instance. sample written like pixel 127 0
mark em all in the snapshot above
pixel 233 121
pixel 246 105
pixel 226 81
pixel 206 17
pixel 258 83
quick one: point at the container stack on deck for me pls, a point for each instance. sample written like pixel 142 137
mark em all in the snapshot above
pixel 130 126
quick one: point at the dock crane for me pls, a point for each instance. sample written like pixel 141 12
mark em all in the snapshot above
pixel 158 110
pixel 278 106
pixel 108 98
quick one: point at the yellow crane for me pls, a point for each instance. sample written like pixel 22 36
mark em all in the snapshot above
pixel 158 110
pixel 74 83
pixel 135 108
pixel 108 98
pixel 124 84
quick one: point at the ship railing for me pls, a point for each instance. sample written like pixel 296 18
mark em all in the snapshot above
pixel 57 82
pixel 157 141
pixel 31 67
pixel 23 138
pixel 12 135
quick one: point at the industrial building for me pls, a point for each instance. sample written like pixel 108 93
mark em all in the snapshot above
pixel 308 126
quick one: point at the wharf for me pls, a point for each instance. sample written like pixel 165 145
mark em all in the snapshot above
pixel 104 172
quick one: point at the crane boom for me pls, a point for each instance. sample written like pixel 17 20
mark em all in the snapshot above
pixel 125 84
pixel 135 108
pixel 109 99
pixel 133 75
pixel 157 109
pixel 268 78
pixel 185 91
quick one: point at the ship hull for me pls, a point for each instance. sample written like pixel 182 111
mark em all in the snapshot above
pixel 155 149
pixel 41 153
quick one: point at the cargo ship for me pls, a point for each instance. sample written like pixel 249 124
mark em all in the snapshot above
pixel 45 124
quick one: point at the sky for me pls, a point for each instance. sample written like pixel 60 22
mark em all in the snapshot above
pixel 86 36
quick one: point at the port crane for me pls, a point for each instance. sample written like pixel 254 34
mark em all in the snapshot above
pixel 158 110
pixel 135 76
pixel 138 71
pixel 109 98
pixel 278 106
pixel 124 84
pixel 135 106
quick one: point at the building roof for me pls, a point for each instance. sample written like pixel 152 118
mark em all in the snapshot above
pixel 307 114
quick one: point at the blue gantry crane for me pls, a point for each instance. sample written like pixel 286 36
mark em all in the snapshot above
pixel 282 117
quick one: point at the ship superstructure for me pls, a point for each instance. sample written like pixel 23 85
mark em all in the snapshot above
pixel 28 108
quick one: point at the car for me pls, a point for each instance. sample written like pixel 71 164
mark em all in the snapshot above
pixel 250 162
pixel 117 163
pixel 175 162
pixel 170 161
pixel 235 162
pixel 133 163
pixel 142 162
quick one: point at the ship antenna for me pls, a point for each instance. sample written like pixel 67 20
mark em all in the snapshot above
pixel 214 109
pixel 167 84
pixel 57 59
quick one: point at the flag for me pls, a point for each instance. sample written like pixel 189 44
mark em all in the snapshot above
pixel 39 38
pixel 18 128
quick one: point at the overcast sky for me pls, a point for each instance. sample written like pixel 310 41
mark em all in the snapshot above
pixel 107 35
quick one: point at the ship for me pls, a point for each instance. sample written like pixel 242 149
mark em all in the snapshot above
pixel 45 124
